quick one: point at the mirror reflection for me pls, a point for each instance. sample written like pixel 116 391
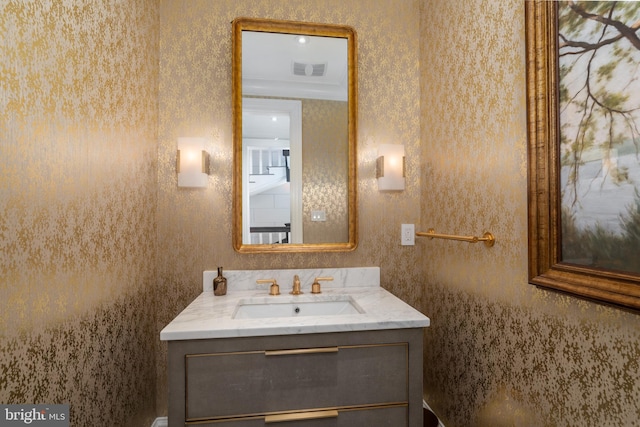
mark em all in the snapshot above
pixel 294 137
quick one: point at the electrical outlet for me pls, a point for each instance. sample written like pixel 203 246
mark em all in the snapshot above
pixel 407 235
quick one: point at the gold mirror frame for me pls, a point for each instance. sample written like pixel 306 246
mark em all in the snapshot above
pixel 545 264
pixel 293 27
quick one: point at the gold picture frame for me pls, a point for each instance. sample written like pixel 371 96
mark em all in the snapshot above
pixel 546 266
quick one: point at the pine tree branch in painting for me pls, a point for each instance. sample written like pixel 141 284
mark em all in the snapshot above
pixel 599 52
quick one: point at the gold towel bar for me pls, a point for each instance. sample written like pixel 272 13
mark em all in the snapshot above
pixel 487 237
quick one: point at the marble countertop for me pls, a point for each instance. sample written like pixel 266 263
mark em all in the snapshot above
pixel 210 316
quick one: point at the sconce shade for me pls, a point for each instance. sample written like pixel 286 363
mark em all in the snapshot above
pixel 192 163
pixel 390 168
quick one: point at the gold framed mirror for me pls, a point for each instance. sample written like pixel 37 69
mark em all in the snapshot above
pixel 294 136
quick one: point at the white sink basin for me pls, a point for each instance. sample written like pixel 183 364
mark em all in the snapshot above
pixel 247 309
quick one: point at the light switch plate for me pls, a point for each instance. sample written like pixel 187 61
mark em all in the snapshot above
pixel 407 235
pixel 318 216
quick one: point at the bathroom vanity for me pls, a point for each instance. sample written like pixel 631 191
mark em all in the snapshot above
pixel 350 356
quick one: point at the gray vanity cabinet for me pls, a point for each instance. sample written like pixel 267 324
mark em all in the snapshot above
pixel 316 380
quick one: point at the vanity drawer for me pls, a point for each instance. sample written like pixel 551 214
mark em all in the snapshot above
pixel 395 416
pixel 220 385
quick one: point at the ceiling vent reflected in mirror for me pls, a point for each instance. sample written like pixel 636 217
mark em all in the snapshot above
pixel 309 70
pixel 274 66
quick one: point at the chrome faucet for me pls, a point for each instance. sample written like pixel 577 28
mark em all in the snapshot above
pixel 296 286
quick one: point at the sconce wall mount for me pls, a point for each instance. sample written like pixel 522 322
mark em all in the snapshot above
pixel 192 163
pixel 390 167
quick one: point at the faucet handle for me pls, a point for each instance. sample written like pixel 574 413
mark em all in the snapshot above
pixel 315 287
pixel 274 289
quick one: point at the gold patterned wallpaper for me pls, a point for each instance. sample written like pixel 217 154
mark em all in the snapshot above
pixel 325 170
pixel 78 123
pixel 501 352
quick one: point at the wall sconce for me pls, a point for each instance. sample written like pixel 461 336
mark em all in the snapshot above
pixel 390 167
pixel 192 163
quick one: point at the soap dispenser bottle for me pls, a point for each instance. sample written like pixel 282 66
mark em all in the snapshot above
pixel 220 284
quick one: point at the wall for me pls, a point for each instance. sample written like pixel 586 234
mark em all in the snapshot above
pixel 78 122
pixel 500 351
pixel 325 169
pixel 194 226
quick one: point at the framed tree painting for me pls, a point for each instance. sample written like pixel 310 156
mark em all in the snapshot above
pixel 583 108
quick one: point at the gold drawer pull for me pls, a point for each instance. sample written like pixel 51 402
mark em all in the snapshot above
pixel 313 415
pixel 301 351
